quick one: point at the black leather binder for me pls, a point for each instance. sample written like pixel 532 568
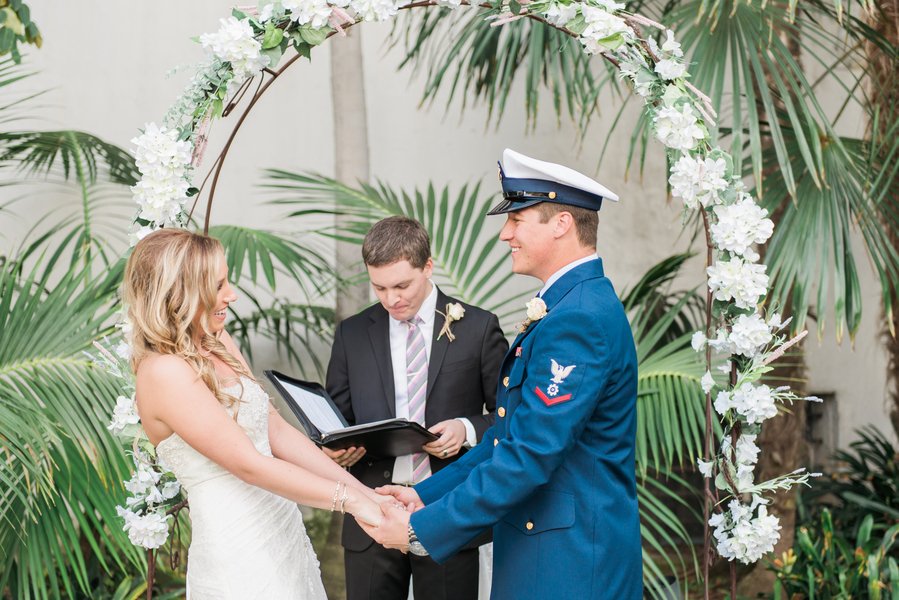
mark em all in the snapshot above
pixel 325 426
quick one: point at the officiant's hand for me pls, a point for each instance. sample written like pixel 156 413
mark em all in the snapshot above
pixel 347 457
pixel 407 496
pixel 393 532
pixel 452 436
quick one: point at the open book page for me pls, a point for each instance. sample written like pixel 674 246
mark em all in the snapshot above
pixel 316 408
pixel 372 424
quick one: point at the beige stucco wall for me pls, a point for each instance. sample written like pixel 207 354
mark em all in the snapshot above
pixel 107 61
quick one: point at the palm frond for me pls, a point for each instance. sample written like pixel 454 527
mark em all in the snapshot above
pixel 249 251
pixel 470 265
pixel 463 54
pixel 95 171
pixel 300 331
pixel 665 538
pixel 810 257
pixel 78 155
pixel 64 467
pixel 670 400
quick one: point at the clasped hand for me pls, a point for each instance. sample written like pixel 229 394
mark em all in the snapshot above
pixel 393 530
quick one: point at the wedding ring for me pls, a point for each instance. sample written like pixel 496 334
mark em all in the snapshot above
pixel 445 452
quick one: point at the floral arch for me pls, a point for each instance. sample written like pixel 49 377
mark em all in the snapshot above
pixel 251 44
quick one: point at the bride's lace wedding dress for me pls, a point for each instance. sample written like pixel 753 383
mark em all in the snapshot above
pixel 246 542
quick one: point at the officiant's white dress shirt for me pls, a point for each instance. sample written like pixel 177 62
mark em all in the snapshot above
pixel 399 331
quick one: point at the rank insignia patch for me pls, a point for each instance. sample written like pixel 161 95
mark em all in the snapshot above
pixel 550 401
pixel 560 372
pixel 551 395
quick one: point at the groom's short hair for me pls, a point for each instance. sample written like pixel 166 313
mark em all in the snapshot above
pixel 394 239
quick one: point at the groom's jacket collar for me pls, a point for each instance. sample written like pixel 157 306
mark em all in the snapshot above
pixel 558 290
pixel 589 270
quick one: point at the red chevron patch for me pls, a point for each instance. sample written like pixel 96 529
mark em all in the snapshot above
pixel 550 401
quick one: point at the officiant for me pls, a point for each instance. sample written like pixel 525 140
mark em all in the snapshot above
pixel 421 355
pixel 556 477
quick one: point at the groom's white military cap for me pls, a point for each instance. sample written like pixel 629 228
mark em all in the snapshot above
pixel 527 181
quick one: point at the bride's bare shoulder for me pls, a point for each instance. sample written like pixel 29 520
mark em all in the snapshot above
pixel 164 370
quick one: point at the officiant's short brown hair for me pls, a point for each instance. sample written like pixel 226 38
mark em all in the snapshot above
pixel 394 239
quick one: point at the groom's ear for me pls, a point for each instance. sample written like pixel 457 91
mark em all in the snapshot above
pixel 564 222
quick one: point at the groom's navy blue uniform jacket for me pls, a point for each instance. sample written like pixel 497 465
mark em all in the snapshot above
pixel 557 482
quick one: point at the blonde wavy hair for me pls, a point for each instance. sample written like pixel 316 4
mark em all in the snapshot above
pixel 170 278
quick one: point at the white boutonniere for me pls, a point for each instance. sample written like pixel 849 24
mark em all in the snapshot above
pixel 454 312
pixel 536 311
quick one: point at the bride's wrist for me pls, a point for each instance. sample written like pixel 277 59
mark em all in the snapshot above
pixel 354 502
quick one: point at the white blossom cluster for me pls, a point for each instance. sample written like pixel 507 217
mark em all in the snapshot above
pixel 745 532
pixel 123 415
pixel 603 27
pixel 740 225
pixel 318 13
pixel 315 13
pixel 738 461
pixel 144 512
pixel 149 530
pixel 754 402
pixel 678 127
pixel 560 14
pixel 738 281
pixel 235 43
pixel 632 65
pixel 163 161
pixel 671 66
pixel 698 180
pixel 749 336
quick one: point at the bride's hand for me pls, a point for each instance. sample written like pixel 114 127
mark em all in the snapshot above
pixel 363 508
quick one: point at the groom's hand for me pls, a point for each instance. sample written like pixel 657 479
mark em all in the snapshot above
pixel 347 457
pixel 393 532
pixel 407 496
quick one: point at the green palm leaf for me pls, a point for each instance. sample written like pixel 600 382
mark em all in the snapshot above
pixel 63 466
pixel 810 257
pixel 295 325
pixel 249 251
pixel 470 265
pixel 476 62
pixel 299 331
pixel 663 533
pixel 670 402
pixel 80 165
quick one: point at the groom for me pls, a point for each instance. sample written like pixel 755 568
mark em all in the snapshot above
pixel 557 481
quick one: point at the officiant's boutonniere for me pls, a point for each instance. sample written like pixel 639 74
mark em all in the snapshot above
pixel 536 311
pixel 454 312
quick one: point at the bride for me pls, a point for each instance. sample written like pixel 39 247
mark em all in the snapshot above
pixel 242 466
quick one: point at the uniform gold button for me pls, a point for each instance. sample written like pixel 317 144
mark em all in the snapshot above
pixel 552 195
pixel 529 525
pixel 501 411
pixel 506 381
pixel 495 441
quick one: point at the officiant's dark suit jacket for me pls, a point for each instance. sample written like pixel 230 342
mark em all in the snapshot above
pixel 461 383
pixel 557 480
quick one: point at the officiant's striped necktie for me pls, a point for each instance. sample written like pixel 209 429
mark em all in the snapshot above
pixel 416 390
